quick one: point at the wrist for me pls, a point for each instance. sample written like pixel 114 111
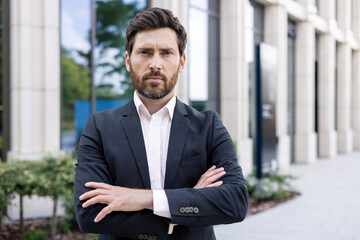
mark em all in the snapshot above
pixel 148 199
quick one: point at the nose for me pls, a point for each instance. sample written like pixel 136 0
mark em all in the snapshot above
pixel 155 64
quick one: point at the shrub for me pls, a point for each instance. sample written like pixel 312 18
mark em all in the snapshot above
pixel 34 234
pixel 7 183
pixel 274 186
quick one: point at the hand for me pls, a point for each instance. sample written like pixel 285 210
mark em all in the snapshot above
pixel 116 198
pixel 209 177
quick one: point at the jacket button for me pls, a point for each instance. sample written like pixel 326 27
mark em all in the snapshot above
pixel 187 209
pixel 141 236
pixel 191 209
pixel 182 210
pixel 196 210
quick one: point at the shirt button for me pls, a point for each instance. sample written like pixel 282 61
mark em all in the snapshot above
pixel 154 180
pixel 153 124
pixel 154 150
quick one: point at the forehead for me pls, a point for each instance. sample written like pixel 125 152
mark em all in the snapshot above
pixel 159 38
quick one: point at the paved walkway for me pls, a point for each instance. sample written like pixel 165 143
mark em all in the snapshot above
pixel 328 209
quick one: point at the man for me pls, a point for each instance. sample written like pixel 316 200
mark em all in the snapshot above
pixel 156 168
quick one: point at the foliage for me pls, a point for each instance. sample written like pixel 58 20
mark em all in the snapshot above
pixel 274 187
pixel 75 85
pixel 7 183
pixel 25 180
pixel 68 204
pixel 55 176
pixel 34 234
pixel 93 235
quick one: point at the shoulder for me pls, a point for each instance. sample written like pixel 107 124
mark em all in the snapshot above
pixel 107 116
pixel 197 116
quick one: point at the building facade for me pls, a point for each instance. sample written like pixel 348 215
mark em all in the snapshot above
pixel 317 84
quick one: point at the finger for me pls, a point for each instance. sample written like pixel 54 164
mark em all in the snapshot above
pixel 212 179
pixel 210 169
pixel 206 180
pixel 98 199
pixel 93 193
pixel 105 211
pixel 215 184
pixel 213 172
pixel 207 175
pixel 98 185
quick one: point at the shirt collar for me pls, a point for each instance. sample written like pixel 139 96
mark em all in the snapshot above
pixel 140 107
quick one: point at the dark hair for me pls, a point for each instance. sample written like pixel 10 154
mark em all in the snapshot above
pixel 154 18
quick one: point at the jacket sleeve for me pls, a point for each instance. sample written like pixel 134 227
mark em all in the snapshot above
pixel 92 166
pixel 214 205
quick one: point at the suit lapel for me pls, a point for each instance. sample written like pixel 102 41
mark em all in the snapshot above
pixel 178 133
pixel 133 131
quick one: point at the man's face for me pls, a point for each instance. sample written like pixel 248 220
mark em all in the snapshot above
pixel 155 62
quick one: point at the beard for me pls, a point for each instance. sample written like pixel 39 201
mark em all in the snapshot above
pixel 153 90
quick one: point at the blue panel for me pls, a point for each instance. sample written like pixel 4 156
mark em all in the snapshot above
pixel 82 110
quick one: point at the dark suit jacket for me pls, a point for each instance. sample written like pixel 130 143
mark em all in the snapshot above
pixel 112 150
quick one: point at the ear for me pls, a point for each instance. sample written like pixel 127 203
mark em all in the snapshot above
pixel 127 61
pixel 182 62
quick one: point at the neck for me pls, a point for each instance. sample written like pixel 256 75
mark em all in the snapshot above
pixel 154 105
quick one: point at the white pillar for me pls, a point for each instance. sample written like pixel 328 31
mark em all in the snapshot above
pixel 356 100
pixel 275 34
pixel 35 78
pixel 356 76
pixel 180 10
pixel 34 90
pixel 234 79
pixel 344 98
pixel 326 95
pixel 305 137
pixel 345 138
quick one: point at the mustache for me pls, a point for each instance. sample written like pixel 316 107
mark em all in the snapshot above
pixel 154 74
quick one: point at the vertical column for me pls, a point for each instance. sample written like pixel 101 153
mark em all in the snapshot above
pixel 234 79
pixel 180 10
pixel 305 137
pixel 275 33
pixel 344 98
pixel 356 77
pixel 326 85
pixel 345 138
pixel 35 78
pixel 356 100
pixel 34 89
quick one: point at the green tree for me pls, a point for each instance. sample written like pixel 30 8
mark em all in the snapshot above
pixel 55 178
pixel 24 182
pixel 112 18
pixel 75 85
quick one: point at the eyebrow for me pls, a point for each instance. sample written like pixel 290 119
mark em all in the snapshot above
pixel 151 49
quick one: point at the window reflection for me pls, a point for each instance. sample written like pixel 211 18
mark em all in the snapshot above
pixel 112 82
pixel 204 52
pixel 75 80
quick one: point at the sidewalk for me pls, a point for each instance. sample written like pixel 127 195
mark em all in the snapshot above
pixel 328 208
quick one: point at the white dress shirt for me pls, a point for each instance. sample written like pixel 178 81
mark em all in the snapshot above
pixel 156 133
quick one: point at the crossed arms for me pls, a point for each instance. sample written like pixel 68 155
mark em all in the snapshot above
pixel 102 206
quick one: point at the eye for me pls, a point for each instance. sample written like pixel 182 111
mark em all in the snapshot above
pixel 166 52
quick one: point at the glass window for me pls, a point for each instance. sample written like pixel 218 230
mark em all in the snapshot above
pixel 111 81
pixel 75 75
pixel 254 23
pixel 204 53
